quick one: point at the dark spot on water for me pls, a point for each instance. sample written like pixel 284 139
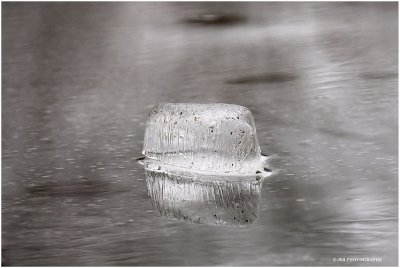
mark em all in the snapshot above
pixel 258 172
pixel 212 130
pixel 264 78
pixel 3 259
pixel 82 186
pixel 140 158
pixel 268 170
pixel 338 133
pixel 215 19
pixel 379 75
pixel 180 112
pixel 231 133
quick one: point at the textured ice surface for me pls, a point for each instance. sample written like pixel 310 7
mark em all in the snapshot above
pixel 218 138
pixel 202 200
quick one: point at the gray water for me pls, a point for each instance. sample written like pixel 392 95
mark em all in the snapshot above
pixel 80 78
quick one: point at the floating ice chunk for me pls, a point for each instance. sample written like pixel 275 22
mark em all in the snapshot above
pixel 218 138
pixel 217 201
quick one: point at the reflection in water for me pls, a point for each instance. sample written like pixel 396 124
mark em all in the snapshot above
pixel 219 201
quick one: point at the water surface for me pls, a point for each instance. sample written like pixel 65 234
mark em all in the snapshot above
pixel 80 78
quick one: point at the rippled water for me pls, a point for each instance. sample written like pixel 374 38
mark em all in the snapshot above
pixel 80 78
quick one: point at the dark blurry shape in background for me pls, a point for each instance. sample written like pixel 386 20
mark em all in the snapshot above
pixel 215 19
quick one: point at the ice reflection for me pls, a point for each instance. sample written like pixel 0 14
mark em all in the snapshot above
pixel 209 200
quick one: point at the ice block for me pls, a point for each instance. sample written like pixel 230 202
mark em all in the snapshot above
pixel 216 137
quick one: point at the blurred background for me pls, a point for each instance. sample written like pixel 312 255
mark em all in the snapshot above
pixel 78 82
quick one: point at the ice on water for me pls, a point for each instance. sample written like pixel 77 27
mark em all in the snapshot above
pixel 218 138
pixel 231 202
pixel 203 163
